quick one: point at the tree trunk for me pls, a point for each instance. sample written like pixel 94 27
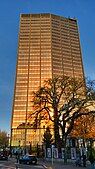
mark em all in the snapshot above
pixel 64 140
pixel 56 128
pixel 56 133
pixel 83 142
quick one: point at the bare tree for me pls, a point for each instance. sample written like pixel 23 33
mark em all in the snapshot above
pixel 4 140
pixel 62 100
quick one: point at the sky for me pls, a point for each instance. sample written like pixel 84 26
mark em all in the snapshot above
pixel 10 10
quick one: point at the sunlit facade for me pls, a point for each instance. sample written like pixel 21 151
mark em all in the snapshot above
pixel 48 45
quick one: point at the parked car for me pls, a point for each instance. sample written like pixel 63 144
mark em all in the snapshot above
pixel 3 156
pixel 28 159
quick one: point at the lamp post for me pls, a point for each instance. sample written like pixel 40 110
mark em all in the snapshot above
pixel 52 150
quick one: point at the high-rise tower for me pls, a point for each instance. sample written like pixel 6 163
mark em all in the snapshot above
pixel 49 45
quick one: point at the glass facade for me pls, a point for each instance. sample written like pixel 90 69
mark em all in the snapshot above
pixel 48 45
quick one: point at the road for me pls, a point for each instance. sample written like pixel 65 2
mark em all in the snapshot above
pixel 11 164
pixel 6 166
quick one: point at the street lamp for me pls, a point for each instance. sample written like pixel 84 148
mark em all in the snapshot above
pixel 52 151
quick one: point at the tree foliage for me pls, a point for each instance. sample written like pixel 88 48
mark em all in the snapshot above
pixel 4 140
pixel 62 100
pixel 84 127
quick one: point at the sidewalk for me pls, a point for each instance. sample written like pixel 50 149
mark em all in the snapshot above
pixel 59 165
pixel 56 164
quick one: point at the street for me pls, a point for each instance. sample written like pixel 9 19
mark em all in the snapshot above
pixel 17 166
pixel 12 164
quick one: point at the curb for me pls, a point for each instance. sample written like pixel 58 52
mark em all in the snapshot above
pixel 46 167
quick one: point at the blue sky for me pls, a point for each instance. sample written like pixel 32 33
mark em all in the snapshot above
pixel 10 10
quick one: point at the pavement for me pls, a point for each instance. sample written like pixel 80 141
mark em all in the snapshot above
pixel 56 164
pixel 60 165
